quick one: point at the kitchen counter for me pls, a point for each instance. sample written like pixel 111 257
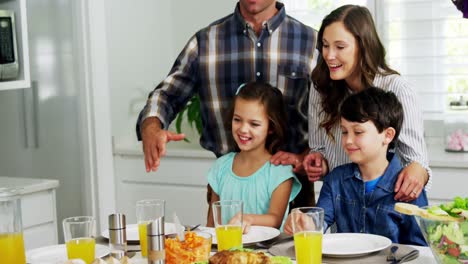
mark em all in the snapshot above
pixel 28 185
pixel 38 209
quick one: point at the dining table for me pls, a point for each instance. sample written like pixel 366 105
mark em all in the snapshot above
pixel 425 255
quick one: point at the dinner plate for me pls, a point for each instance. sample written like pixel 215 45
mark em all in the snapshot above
pixel 132 231
pixel 58 254
pixel 340 245
pixel 256 234
pixel 353 244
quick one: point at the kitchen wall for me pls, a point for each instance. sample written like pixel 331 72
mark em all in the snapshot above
pixel 144 39
pixel 40 127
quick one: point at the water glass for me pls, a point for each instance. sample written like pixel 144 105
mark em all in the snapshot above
pixel 307 225
pixel 146 211
pixel 79 233
pixel 227 217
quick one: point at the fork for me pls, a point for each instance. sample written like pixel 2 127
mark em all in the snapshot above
pixel 191 228
pixel 269 245
pixel 411 255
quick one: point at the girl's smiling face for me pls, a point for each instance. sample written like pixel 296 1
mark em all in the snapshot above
pixel 250 125
pixel 340 51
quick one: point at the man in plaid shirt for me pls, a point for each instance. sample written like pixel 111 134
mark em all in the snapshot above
pixel 258 42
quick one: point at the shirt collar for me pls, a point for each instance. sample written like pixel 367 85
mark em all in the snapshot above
pixel 388 179
pixel 272 24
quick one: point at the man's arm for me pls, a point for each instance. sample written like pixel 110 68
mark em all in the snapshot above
pixel 163 104
pixel 154 142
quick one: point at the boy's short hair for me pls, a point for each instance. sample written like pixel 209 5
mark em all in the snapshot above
pixel 374 104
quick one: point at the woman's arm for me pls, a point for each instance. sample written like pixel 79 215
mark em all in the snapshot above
pixel 411 147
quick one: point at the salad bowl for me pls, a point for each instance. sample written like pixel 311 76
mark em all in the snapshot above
pixel 448 240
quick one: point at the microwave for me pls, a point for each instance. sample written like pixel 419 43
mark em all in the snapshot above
pixel 8 47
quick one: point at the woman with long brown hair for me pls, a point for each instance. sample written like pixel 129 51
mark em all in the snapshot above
pixel 353 59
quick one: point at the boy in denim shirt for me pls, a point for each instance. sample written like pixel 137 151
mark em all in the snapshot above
pixel 358 196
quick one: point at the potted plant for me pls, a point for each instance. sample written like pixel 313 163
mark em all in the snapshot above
pixel 191 113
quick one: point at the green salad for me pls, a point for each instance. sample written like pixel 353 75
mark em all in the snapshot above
pixel 449 240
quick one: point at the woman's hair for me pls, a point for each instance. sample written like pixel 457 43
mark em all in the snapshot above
pixel 272 100
pixel 374 104
pixel 371 55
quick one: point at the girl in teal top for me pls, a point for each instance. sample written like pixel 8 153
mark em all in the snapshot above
pixel 259 130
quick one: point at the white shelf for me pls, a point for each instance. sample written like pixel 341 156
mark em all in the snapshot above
pixel 24 79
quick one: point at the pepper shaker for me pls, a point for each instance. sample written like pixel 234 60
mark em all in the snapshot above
pixel 117 235
pixel 155 235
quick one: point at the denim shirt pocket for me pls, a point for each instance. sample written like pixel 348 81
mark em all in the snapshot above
pixel 346 212
pixel 387 221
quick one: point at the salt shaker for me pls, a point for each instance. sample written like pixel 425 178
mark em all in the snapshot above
pixel 155 233
pixel 117 235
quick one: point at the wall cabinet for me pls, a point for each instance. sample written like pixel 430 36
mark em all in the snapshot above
pixel 23 79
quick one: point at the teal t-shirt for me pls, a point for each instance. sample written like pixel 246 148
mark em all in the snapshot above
pixel 255 190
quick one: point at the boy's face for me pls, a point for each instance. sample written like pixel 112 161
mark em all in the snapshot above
pixel 340 52
pixel 363 143
pixel 249 125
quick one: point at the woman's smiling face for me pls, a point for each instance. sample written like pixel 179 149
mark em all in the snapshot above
pixel 340 51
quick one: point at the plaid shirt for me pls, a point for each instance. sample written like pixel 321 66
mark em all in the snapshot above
pixel 222 56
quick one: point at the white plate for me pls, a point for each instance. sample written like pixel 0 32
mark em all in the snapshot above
pixel 340 245
pixel 57 254
pixel 132 231
pixel 256 234
pixel 353 244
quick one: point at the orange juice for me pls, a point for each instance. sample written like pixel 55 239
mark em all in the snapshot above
pixel 228 236
pixel 143 239
pixel 308 246
pixel 12 248
pixel 81 248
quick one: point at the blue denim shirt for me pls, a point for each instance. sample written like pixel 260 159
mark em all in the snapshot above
pixel 345 203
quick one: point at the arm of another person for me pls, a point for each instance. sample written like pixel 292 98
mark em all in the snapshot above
pixel 288 158
pixel 163 104
pixel 411 148
pixel 315 164
pixel 278 205
pixel 214 198
pixel 325 201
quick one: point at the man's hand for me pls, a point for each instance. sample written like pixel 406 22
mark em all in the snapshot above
pixel 154 142
pixel 288 158
pixel 411 182
pixel 315 165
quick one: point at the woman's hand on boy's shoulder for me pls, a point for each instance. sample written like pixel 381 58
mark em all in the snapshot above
pixel 411 182
pixel 288 158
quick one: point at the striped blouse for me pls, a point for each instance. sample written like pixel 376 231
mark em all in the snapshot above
pixel 410 145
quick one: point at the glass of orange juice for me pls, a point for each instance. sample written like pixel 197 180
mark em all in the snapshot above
pixel 79 233
pixel 227 217
pixel 11 232
pixel 146 211
pixel 307 225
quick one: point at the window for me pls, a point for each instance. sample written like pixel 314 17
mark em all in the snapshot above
pixel 426 41
pixel 311 12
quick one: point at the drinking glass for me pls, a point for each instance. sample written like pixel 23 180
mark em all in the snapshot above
pixel 227 217
pixel 146 211
pixel 307 225
pixel 11 232
pixel 79 233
